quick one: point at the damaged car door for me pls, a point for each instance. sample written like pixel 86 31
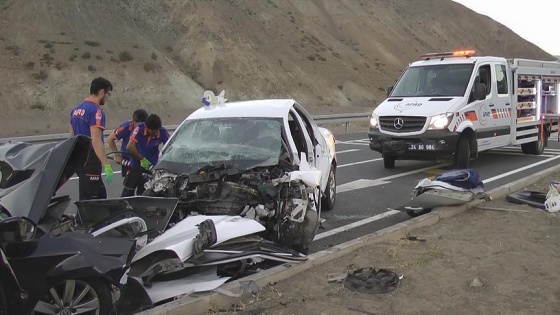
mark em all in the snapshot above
pixel 320 155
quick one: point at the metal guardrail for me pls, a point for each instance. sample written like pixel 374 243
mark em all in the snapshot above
pixel 319 119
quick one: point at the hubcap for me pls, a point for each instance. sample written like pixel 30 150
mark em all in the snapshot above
pixel 68 298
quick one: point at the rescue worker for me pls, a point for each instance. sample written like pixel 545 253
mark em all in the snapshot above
pixel 144 146
pixel 123 133
pixel 88 119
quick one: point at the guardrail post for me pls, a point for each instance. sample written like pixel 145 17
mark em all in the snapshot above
pixel 346 127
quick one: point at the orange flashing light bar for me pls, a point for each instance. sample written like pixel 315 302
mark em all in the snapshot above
pixel 455 53
pixel 464 53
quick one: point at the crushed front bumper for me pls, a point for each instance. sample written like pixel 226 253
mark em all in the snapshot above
pixel 431 145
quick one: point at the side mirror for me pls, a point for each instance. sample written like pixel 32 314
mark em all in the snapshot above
pixel 479 91
pixel 17 229
pixel 389 90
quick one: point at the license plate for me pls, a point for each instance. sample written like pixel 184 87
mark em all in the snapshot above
pixel 421 147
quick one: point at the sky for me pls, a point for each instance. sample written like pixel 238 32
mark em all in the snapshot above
pixel 533 20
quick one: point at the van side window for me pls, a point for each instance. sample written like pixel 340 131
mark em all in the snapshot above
pixel 501 79
pixel 484 76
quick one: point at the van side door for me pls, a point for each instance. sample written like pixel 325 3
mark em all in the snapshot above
pixel 485 124
pixel 502 109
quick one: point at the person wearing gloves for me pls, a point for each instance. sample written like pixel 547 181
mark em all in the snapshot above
pixel 144 145
pixel 88 119
pixel 123 133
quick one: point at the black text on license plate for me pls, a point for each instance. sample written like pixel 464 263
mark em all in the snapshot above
pixel 420 146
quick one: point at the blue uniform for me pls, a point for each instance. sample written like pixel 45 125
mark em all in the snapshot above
pixel 85 117
pixel 123 133
pixel 146 145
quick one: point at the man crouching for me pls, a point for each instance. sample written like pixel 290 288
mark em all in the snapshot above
pixel 144 146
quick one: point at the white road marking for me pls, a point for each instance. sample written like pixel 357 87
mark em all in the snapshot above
pixel 356 143
pixel 356 163
pixel 414 171
pixel 355 224
pixel 348 141
pixel 389 213
pixel 365 183
pixel 359 184
pixel 518 149
pixel 519 154
pixel 491 179
pixel 347 151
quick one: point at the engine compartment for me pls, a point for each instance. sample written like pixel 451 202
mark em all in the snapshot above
pixel 284 204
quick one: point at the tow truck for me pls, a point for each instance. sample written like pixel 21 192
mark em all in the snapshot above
pixel 454 105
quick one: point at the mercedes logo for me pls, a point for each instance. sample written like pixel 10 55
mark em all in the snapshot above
pixel 398 123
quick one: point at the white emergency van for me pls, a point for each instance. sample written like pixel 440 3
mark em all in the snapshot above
pixel 454 105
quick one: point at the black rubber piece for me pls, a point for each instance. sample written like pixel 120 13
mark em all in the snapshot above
pixel 535 199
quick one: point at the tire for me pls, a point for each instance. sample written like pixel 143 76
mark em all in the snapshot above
pixel 97 289
pixel 329 199
pixel 389 161
pixel 534 148
pixel 463 154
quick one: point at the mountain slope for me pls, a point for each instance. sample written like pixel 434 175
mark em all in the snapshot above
pixel 333 56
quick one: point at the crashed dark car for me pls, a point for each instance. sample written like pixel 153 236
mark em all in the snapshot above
pixel 62 272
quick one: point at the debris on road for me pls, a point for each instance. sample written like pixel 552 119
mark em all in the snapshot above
pixel 448 188
pixel 535 199
pixel 337 277
pixel 549 201
pixel 371 280
pixel 414 238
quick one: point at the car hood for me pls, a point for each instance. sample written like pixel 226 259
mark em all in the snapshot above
pixel 31 174
pixel 416 106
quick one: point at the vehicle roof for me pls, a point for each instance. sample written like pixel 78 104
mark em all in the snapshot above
pixel 271 108
pixel 457 60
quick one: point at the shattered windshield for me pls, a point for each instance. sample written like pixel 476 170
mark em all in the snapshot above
pixel 210 141
pixel 434 80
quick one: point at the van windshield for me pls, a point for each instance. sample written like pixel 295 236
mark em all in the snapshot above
pixel 434 80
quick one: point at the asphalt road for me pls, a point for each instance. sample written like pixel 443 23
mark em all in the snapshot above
pixel 367 191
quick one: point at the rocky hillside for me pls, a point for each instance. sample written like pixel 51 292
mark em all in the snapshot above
pixel 333 56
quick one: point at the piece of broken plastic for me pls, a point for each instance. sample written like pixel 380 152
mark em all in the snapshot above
pixel 336 277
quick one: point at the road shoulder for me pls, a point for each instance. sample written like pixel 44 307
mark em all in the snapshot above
pixel 512 255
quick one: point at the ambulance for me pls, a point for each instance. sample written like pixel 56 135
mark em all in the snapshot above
pixel 454 105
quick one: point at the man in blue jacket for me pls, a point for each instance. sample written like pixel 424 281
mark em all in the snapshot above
pixel 88 119
pixel 144 147
pixel 123 133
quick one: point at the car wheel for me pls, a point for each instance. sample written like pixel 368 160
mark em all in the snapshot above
pixel 536 147
pixel 389 161
pixel 329 198
pixel 76 296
